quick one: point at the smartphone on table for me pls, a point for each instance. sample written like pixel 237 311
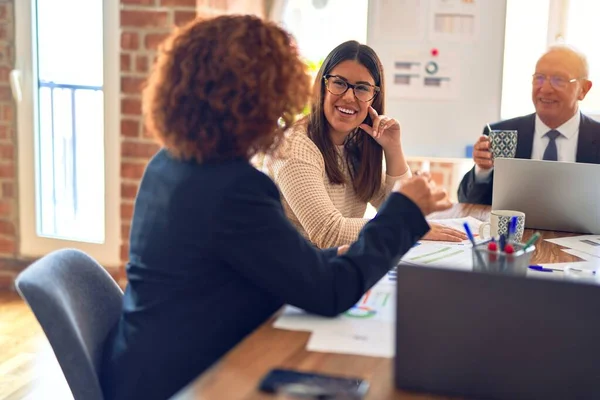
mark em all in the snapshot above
pixel 313 385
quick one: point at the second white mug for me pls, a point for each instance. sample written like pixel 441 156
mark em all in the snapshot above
pixel 498 225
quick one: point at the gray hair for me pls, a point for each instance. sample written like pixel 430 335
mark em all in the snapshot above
pixel 585 69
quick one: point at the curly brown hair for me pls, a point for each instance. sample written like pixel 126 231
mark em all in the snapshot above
pixel 225 88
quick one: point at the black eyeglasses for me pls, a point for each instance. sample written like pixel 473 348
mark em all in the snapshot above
pixel 338 86
pixel 557 82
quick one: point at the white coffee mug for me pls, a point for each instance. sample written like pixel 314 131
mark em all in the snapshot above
pixel 498 225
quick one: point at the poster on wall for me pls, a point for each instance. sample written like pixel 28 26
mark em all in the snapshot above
pixel 453 20
pixel 427 75
pixel 407 17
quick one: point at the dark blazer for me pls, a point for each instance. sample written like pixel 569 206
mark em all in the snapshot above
pixel 588 151
pixel 213 256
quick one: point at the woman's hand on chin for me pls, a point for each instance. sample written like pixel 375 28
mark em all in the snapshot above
pixel 385 130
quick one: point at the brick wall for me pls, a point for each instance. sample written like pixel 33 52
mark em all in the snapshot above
pixel 446 173
pixel 8 170
pixel 144 23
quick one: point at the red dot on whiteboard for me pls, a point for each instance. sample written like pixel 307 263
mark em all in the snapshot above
pixel 434 52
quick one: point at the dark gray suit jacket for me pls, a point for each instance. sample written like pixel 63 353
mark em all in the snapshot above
pixel 588 151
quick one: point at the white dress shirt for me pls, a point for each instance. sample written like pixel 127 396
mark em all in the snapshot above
pixel 566 143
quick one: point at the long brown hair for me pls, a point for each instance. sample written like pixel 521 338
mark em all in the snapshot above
pixel 364 156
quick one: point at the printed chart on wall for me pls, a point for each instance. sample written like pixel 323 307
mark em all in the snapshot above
pixel 431 74
pixel 454 20
pixel 410 24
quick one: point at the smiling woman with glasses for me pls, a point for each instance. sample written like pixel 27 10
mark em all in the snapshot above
pixel 338 86
pixel 331 164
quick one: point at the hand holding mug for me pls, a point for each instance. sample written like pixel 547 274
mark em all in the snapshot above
pixel 482 154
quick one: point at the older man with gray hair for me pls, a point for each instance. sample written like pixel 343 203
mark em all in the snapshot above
pixel 557 130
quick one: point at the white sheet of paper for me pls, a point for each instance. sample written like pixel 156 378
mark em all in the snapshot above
pixel 377 304
pixel 584 265
pixel 581 254
pixel 579 271
pixel 586 243
pixel 432 254
pixel 295 319
pixel 545 275
pixel 373 338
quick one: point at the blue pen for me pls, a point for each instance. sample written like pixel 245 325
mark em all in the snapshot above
pixel 469 234
pixel 472 239
pixel 502 242
pixel 512 228
pixel 540 268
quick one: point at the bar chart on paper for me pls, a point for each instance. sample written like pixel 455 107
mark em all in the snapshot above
pixel 434 255
pixel 377 304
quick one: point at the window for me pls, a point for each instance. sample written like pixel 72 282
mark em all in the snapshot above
pixel 337 22
pixel 67 131
pixel 548 22
pixel 580 29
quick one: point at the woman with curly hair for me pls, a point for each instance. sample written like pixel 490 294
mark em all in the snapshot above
pixel 212 255
pixel 331 165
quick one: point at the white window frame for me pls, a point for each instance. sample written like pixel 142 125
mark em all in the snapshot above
pixel 23 82
pixel 556 29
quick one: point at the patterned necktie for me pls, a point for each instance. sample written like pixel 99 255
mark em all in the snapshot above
pixel 551 153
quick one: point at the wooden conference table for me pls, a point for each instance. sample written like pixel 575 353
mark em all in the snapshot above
pixel 237 375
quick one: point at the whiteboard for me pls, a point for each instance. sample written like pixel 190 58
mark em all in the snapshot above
pixel 471 50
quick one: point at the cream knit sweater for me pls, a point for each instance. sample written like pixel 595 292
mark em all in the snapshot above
pixel 326 214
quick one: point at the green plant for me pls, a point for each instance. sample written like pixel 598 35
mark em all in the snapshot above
pixel 313 68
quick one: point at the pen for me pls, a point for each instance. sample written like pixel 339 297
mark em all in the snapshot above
pixel 469 234
pixel 472 239
pixel 512 227
pixel 544 269
pixel 540 268
pixel 532 240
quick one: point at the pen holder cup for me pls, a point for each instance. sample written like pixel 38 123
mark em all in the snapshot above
pixel 516 263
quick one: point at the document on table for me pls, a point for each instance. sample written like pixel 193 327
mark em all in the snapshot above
pixel 581 254
pixel 377 304
pixel 431 254
pixel 579 271
pixel 368 327
pixel 586 243
pixel 578 265
pixel 374 339
pixel 365 329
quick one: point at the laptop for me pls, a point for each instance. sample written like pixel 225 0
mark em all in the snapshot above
pixel 553 195
pixel 492 336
